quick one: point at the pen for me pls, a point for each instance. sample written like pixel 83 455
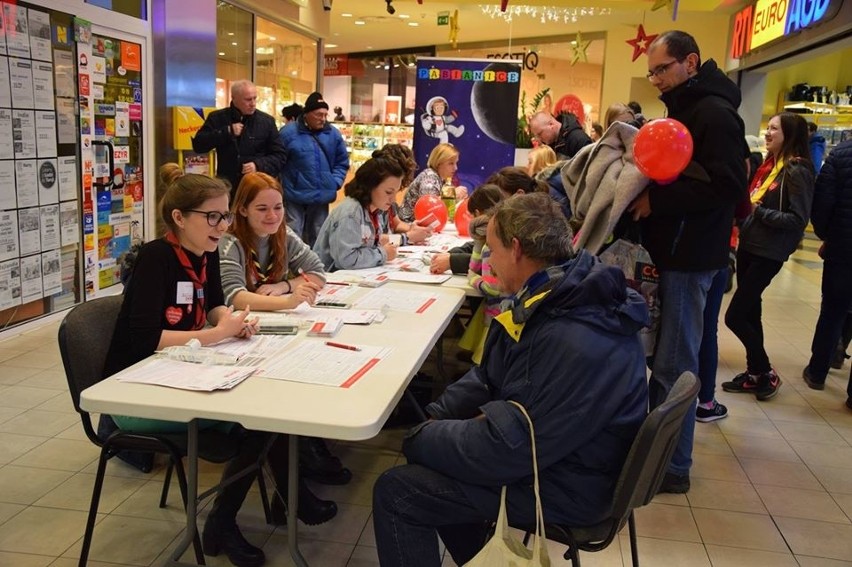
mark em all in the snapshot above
pixel 343 346
pixel 304 275
pixel 337 283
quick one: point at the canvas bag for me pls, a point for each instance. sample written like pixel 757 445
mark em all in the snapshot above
pixel 636 264
pixel 503 549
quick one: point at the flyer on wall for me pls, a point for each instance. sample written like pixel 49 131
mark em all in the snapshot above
pixel 5 87
pixel 27 182
pixel 10 283
pixel 49 217
pixel 69 222
pixel 51 272
pixel 8 199
pixel 31 278
pixel 21 83
pixel 28 230
pixel 8 235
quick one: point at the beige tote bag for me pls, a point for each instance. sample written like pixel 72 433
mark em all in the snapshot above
pixel 505 550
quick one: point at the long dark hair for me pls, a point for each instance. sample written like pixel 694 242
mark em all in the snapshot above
pixel 370 175
pixel 795 130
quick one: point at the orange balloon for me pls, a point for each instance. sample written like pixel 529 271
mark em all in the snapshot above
pixel 662 149
pixel 430 210
pixel 462 219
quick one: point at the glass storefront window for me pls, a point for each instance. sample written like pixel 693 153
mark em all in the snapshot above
pixel 234 44
pixel 285 67
pixel 375 77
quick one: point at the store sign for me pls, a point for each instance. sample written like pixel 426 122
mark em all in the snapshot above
pixel 335 65
pixel 528 58
pixel 768 20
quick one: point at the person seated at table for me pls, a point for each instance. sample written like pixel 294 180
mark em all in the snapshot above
pixel 480 275
pixel 539 158
pixel 442 164
pixel 351 237
pixel 266 265
pixel 174 291
pixel 512 181
pixel 568 350
pixel 412 233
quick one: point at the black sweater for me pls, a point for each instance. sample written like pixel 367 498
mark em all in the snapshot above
pixel 689 228
pixel 150 293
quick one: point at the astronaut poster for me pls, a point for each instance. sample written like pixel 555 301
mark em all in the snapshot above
pixel 471 104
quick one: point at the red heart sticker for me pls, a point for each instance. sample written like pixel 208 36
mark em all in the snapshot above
pixel 173 315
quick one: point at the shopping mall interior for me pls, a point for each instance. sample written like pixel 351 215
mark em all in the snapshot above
pixel 771 483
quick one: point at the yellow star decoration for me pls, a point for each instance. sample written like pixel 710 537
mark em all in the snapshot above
pixel 578 50
pixel 454 29
pixel 669 5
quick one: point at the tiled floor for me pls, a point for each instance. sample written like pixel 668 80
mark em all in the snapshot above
pixel 772 483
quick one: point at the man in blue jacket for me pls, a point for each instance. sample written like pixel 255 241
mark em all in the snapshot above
pixel 317 163
pixel 567 349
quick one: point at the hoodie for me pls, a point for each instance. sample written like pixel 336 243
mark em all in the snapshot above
pixel 689 228
pixel 571 137
pixel 567 349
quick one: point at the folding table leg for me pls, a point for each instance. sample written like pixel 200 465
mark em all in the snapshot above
pixel 293 503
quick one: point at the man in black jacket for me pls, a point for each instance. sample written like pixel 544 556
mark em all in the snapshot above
pixel 565 136
pixel 245 139
pixel 831 216
pixel 688 224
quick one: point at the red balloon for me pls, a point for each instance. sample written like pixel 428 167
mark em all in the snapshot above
pixel 430 209
pixel 662 149
pixel 462 219
pixel 570 103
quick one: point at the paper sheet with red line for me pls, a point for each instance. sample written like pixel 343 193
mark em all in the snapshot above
pixel 315 362
pixel 409 301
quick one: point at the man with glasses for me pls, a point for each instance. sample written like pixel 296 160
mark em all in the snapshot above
pixel 564 135
pixel 687 223
pixel 245 138
pixel 317 164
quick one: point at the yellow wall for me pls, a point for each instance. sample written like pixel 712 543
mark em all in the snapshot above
pixel 833 70
pixel 710 31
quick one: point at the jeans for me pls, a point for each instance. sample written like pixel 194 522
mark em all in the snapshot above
pixel 836 301
pixel 413 505
pixel 743 318
pixel 306 220
pixel 708 354
pixel 683 296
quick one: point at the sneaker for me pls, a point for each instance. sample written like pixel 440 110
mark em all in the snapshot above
pixel 813 384
pixel 742 382
pixel 704 415
pixel 674 484
pixel 768 385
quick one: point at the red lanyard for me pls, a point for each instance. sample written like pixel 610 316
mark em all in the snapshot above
pixel 197 281
pixel 374 218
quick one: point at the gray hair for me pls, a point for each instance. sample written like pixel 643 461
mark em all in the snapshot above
pixel 538 224
pixel 238 87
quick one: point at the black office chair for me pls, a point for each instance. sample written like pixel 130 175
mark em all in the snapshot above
pixel 640 478
pixel 84 339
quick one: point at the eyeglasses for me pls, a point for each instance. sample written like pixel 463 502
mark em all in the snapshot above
pixel 215 217
pixel 660 70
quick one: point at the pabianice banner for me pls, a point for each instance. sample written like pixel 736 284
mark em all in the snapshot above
pixel 472 104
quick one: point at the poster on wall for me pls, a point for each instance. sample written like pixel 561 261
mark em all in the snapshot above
pixel 10 283
pixel 17 30
pixel 31 278
pixel 8 235
pixel 472 104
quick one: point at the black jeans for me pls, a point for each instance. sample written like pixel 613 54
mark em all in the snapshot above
pixel 743 317
pixel 836 301
pixel 412 505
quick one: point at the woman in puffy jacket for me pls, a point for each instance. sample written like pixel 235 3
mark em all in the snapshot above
pixel 781 194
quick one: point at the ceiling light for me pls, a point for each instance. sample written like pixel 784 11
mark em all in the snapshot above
pixel 230 33
pixel 413 24
pixel 387 67
pixel 360 22
pixel 331 45
pixel 234 43
pixel 221 54
pixel 403 16
pixel 272 38
pixel 346 15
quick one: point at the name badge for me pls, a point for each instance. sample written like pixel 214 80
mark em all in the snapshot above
pixel 184 293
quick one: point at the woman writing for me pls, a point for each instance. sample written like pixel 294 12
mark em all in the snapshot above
pixel 175 290
pixel 781 194
pixel 412 233
pixel 442 164
pixel 352 236
pixel 266 265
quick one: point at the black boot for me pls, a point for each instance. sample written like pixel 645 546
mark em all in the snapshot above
pixel 229 540
pixel 318 464
pixel 312 510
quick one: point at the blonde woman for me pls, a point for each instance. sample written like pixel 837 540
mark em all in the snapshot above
pixel 442 164
pixel 539 158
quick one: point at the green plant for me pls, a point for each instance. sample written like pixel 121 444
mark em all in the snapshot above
pixel 523 137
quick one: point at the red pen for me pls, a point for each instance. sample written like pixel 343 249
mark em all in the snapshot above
pixel 343 346
pixel 304 275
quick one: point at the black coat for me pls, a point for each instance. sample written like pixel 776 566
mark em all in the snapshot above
pixel 689 228
pixel 831 215
pixel 571 137
pixel 259 143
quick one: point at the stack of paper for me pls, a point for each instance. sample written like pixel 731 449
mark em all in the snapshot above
pixel 186 375
pixel 327 328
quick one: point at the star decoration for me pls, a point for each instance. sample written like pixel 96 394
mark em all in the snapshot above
pixel 670 5
pixel 641 42
pixel 578 50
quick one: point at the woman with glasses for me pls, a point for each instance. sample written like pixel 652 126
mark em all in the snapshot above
pixel 781 193
pixel 175 291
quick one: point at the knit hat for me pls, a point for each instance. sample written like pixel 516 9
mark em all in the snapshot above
pixel 315 102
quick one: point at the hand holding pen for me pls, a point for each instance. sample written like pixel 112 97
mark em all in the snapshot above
pixel 306 289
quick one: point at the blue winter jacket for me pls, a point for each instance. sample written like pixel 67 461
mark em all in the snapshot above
pixel 317 163
pixel 817 147
pixel 569 352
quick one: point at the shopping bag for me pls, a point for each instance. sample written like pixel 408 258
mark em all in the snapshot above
pixel 505 550
pixel 636 264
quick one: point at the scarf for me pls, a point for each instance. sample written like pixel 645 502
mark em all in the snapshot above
pixel 764 178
